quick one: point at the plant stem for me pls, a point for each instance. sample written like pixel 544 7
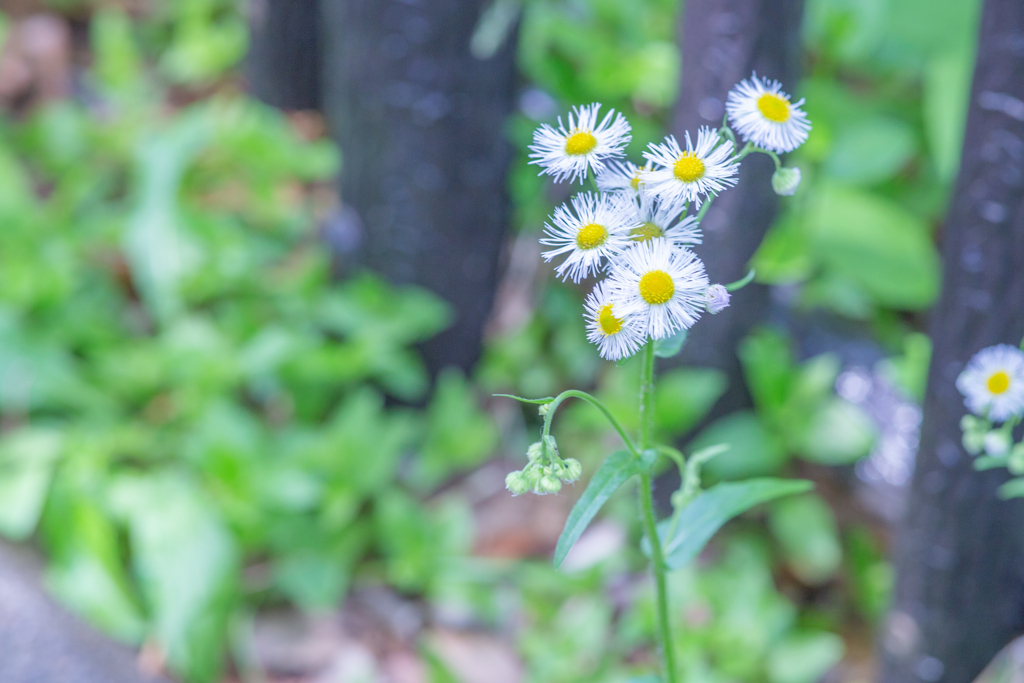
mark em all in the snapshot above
pixel 647 504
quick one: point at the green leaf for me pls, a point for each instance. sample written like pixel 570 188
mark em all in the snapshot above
pixel 671 346
pixel 804 657
pixel 877 244
pixel 613 473
pixel 1012 489
pixel 947 87
pixel 807 532
pixel 537 401
pixel 754 450
pixel 460 435
pixel 871 150
pixel 187 563
pixel 26 466
pixel 709 511
pixel 684 395
pixel 839 433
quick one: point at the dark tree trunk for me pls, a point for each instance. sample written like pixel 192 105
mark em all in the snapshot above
pixel 724 41
pixel 420 121
pixel 960 551
pixel 283 65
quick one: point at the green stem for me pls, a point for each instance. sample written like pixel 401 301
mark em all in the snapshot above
pixel 572 393
pixel 647 504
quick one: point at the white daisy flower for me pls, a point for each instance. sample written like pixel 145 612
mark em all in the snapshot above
pixel 663 287
pixel 570 150
pixel 596 228
pixel 761 113
pixel 658 219
pixel 615 335
pixel 685 176
pixel 621 176
pixel 993 383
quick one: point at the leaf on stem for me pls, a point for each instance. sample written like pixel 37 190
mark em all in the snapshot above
pixel 709 511
pixel 537 401
pixel 613 473
pixel 670 346
pixel 1012 489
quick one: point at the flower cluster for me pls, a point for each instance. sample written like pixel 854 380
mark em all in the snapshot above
pixel 636 227
pixel 545 471
pixel 993 389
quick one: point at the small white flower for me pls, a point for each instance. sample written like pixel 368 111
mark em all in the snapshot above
pixel 761 113
pixel 568 151
pixel 717 298
pixel 596 228
pixel 993 383
pixel 686 176
pixel 657 218
pixel 785 181
pixel 615 336
pixel 621 176
pixel 662 286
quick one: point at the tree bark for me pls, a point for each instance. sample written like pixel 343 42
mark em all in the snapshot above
pixel 420 123
pixel 284 61
pixel 724 41
pixel 959 552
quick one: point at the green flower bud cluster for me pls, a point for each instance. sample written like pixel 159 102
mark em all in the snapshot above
pixel 980 436
pixel 546 470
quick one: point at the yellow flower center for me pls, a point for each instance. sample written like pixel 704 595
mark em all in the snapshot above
pixel 608 323
pixel 591 236
pixel 646 232
pixel 635 182
pixel 579 143
pixel 999 382
pixel 774 107
pixel 689 167
pixel 656 287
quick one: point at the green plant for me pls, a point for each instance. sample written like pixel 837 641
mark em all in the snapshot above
pixel 194 412
pixel 637 227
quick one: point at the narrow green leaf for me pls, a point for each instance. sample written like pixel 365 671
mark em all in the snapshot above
pixel 987 462
pixel 613 473
pixel 1012 489
pixel 699 520
pixel 670 346
pixel 538 401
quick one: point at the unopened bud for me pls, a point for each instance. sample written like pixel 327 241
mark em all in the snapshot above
pixel 548 484
pixel 997 443
pixel 974 442
pixel 535 451
pixel 516 483
pixel 716 298
pixel 785 181
pixel 572 470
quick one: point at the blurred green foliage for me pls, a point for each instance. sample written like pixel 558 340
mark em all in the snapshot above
pixel 195 418
pixel 185 393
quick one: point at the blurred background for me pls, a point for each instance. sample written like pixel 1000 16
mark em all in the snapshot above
pixel 263 264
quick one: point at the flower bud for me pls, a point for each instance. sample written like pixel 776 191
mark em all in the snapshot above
pixel 716 298
pixel 548 484
pixel 571 470
pixel 544 409
pixel 974 442
pixel 535 451
pixel 997 443
pixel 516 483
pixel 785 181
